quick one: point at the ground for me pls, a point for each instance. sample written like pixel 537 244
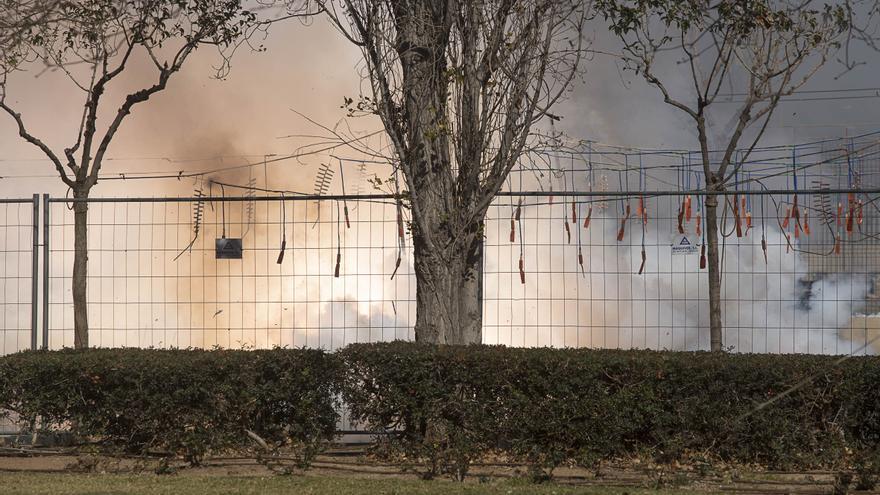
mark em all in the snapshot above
pixel 95 484
pixel 343 472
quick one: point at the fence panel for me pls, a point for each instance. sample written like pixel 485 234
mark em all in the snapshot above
pixel 814 292
pixel 19 222
pixel 146 287
pixel 17 274
pixel 580 285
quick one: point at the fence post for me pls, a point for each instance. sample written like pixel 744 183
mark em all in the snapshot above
pixel 35 261
pixel 46 265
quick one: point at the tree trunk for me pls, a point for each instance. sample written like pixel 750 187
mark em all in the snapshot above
pixel 80 272
pixel 449 292
pixel 445 187
pixel 714 262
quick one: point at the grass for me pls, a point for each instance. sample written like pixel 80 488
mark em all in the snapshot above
pixel 106 484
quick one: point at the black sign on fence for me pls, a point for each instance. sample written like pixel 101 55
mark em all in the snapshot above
pixel 228 249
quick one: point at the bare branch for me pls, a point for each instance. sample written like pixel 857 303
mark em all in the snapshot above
pixel 23 132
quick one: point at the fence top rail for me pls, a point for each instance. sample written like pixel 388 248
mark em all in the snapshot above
pixel 13 201
pixel 501 194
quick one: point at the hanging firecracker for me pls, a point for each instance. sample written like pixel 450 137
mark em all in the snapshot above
pixel 622 231
pixel 764 247
pixel 644 257
pixel 581 259
pixel 703 256
pixel 851 213
pixel 737 218
pixel 514 219
pixel 681 219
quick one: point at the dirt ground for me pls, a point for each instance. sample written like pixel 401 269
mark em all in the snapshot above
pixel 353 461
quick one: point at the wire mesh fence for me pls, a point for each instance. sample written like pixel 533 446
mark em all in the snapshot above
pixel 634 278
pixel 17 274
pixel 579 269
pixel 155 281
pixel 602 262
pixel 614 270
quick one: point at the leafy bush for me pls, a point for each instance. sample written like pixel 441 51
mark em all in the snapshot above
pixel 435 396
pixel 186 402
pixel 448 406
pixel 551 406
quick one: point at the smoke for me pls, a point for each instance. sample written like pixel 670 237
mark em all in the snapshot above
pixel 199 124
pixel 782 305
pixel 776 307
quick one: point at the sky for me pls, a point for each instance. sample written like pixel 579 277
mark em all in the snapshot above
pixel 310 69
pixel 305 68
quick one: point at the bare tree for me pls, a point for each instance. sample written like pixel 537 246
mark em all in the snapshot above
pixel 25 15
pixel 93 42
pixel 772 47
pixel 459 86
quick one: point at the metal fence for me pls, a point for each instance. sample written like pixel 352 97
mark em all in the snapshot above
pixel 811 291
pixel 149 286
pixel 18 273
pixel 155 280
pixel 18 280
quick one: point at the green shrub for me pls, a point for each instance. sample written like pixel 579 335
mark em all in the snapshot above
pixel 448 406
pixel 186 402
pixel 433 395
pixel 546 406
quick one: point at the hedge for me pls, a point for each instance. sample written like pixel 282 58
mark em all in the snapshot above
pixel 184 402
pixel 546 407
pixel 445 407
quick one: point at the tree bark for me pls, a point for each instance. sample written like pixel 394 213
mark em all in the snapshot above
pixel 714 262
pixel 449 293
pixel 80 271
pixel 447 226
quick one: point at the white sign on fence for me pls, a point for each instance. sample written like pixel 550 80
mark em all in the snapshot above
pixel 684 245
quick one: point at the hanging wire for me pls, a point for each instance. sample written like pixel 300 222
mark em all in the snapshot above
pixel 590 187
pixel 747 202
pixel 564 212
pixel 522 266
pixel 575 207
pixel 400 231
pixel 513 213
pixel 250 192
pixel 338 243
pixel 198 211
pixel 323 179
pixel 283 230
pixel 344 202
pixel 699 207
pixel 737 213
pixel 763 232
pixel 223 209
pixel 703 252
pixel 624 203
